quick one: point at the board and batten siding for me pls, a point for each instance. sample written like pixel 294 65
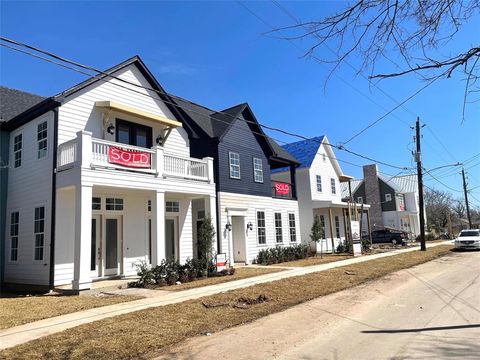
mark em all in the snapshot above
pixel 252 204
pixel 241 140
pixel 29 186
pixel 78 112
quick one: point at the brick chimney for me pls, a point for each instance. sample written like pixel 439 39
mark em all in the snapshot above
pixel 372 195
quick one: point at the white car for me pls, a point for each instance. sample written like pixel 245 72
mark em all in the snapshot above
pixel 468 239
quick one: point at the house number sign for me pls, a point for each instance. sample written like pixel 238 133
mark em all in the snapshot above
pixel 128 158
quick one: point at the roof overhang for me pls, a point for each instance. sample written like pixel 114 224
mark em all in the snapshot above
pixel 345 178
pixel 112 105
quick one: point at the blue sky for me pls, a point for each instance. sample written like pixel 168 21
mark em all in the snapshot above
pixel 216 54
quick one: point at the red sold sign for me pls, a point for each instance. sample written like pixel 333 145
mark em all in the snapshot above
pixel 128 158
pixel 282 188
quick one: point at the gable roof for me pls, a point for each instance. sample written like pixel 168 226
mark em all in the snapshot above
pixel 401 184
pixel 13 102
pixel 305 150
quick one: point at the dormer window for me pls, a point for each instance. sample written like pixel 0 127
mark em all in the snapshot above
pixel 130 133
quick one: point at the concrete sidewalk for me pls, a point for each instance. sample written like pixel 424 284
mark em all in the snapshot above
pixel 31 331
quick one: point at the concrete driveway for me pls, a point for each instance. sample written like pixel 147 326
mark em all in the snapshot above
pixel 431 311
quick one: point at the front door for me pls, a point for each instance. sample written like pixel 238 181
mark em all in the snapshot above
pixel 238 234
pixel 111 245
pixel 171 238
pixel 95 247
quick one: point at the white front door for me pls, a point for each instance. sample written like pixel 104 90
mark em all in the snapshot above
pixel 112 253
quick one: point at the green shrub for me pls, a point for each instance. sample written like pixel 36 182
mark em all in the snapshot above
pixel 279 254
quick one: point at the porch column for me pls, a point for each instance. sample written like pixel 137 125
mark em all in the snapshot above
pixel 159 160
pixel 84 148
pixel 83 233
pixel 211 209
pixel 330 218
pixel 158 227
pixel 369 227
pixel 210 172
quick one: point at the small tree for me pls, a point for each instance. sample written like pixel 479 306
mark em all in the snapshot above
pixel 316 233
pixel 206 237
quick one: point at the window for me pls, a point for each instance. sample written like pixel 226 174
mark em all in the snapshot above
pixel 337 227
pixel 42 140
pixel 39 232
pixel 324 157
pixel 258 170
pixel 172 206
pixel 360 200
pixel 17 150
pixel 293 227
pixel 114 204
pixel 149 205
pixel 388 197
pixel 14 220
pixel 261 233
pixel 319 183
pixel 96 203
pixel 333 185
pixel 133 134
pixel 322 226
pixel 234 160
pixel 278 228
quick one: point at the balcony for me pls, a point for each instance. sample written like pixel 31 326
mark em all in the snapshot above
pixel 283 190
pixel 85 151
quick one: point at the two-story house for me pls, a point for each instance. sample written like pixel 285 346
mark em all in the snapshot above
pixel 253 212
pixel 99 178
pixel 393 200
pixel 318 180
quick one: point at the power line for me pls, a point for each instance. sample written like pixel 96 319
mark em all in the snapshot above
pixel 289 133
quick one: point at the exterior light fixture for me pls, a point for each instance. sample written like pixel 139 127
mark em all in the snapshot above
pixel 159 140
pixel 228 226
pixel 250 226
pixel 111 129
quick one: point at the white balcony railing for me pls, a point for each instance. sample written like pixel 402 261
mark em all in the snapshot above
pixel 96 153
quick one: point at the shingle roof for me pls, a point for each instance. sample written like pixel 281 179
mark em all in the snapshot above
pixel 305 150
pixel 14 102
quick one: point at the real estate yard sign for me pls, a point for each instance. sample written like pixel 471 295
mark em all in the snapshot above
pixel 221 262
pixel 357 242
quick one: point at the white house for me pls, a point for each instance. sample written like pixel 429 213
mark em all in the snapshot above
pixel 318 180
pixel 393 200
pixel 100 178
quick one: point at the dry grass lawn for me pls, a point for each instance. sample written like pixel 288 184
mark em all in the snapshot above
pixel 315 260
pixel 147 333
pixel 20 310
pixel 240 273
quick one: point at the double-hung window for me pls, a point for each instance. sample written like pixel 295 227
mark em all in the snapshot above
pixel 333 185
pixel 258 170
pixel 293 227
pixel 319 183
pixel 278 228
pixel 17 150
pixel 14 221
pixel 261 233
pixel 42 133
pixel 234 161
pixel 39 232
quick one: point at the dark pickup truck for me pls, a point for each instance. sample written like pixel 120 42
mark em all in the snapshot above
pixel 388 236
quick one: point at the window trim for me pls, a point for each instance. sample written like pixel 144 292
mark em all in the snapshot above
pixel 14 161
pixel 388 197
pixel 43 233
pixel 132 128
pixel 230 153
pixel 318 179
pixel 264 227
pixel 43 139
pixel 333 186
pixel 294 228
pixel 172 201
pixel 278 227
pixel 255 170
pixel 10 236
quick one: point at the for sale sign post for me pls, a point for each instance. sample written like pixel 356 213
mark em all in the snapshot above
pixel 357 241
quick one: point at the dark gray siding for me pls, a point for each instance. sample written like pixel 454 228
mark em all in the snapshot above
pixel 360 192
pixel 387 189
pixel 241 140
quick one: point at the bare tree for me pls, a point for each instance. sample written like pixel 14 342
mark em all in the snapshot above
pixel 458 209
pixel 411 31
pixel 437 205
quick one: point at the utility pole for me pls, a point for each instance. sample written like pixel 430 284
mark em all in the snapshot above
pixel 418 159
pixel 466 199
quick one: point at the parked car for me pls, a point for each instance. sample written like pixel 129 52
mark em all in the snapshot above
pixel 468 239
pixel 388 236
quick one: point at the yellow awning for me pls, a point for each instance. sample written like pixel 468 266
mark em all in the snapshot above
pixel 137 112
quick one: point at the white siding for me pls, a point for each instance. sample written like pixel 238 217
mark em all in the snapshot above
pixel 252 204
pixel 79 113
pixel 29 186
pixel 327 171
